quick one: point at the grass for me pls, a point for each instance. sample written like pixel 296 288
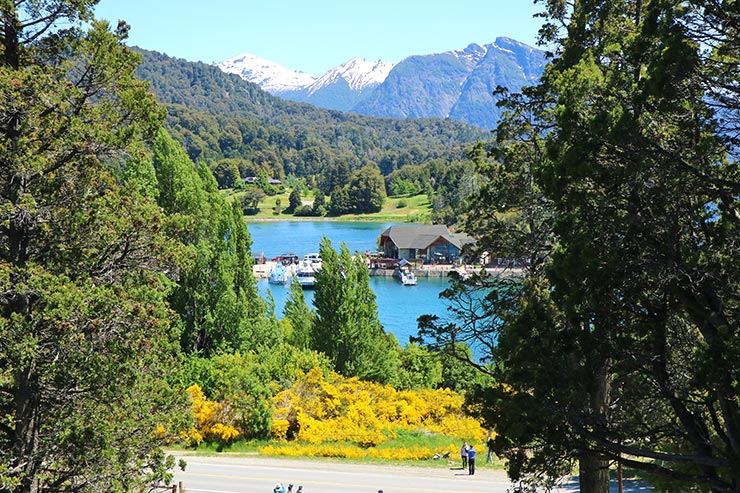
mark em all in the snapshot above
pixel 415 209
pixel 403 440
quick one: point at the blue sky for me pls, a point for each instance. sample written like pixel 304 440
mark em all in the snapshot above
pixel 316 35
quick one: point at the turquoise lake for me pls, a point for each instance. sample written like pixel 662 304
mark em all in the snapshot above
pixel 398 306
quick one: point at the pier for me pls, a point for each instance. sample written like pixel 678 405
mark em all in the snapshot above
pixel 262 270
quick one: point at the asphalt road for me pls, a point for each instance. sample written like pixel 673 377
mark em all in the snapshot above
pixel 259 475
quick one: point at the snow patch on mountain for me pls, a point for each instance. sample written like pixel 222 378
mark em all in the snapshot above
pixel 357 72
pixel 270 76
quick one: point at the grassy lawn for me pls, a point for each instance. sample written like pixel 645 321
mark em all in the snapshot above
pixel 404 440
pixel 416 209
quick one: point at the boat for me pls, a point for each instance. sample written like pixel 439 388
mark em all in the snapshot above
pixel 278 274
pixel 407 277
pixel 306 275
pixel 314 259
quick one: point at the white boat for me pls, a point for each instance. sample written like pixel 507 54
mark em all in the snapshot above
pixel 407 278
pixel 278 275
pixel 312 258
pixel 306 275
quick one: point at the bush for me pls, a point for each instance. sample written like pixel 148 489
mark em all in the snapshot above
pixel 320 410
pixel 303 211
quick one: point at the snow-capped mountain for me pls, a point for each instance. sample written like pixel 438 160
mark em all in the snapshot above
pixel 340 88
pixel 358 73
pixel 343 87
pixel 270 76
pixel 457 84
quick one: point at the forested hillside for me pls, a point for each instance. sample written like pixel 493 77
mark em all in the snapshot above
pixel 216 116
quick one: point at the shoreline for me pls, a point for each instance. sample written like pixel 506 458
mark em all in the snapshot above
pixel 262 271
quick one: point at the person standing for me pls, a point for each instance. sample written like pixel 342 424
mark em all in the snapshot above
pixel 464 455
pixel 471 460
pixel 490 444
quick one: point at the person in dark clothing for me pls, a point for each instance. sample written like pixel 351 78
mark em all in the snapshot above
pixel 471 460
pixel 464 455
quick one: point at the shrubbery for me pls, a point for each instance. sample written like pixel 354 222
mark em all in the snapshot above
pixel 318 410
pixel 326 414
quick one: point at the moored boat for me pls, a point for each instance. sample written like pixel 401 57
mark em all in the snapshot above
pixel 306 275
pixel 407 278
pixel 278 275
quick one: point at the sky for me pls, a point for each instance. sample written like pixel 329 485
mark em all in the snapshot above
pixel 314 36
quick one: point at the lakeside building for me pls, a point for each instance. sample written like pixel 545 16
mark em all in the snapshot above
pixel 428 243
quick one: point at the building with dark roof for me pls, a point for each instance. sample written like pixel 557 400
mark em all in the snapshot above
pixel 429 243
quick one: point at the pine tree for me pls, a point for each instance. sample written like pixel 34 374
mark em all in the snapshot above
pixel 633 315
pixel 87 342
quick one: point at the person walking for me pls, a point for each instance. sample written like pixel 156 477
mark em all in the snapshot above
pixel 464 455
pixel 471 460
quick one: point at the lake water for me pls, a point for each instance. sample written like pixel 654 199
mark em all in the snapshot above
pixel 398 306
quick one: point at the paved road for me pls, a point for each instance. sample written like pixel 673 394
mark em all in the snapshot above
pixel 259 475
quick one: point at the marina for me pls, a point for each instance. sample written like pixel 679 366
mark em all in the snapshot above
pixel 399 306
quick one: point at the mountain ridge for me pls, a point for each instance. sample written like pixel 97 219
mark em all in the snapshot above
pixel 455 84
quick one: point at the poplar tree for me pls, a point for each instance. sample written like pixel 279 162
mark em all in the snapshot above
pixel 300 316
pixel 347 328
pixel 216 295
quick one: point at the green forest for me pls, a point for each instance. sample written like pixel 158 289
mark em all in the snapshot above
pixel 130 317
pixel 353 161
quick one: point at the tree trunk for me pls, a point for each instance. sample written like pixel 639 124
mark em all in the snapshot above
pixel 26 462
pixel 593 467
pixel 593 473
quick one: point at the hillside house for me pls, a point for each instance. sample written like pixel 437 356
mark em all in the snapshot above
pixel 429 243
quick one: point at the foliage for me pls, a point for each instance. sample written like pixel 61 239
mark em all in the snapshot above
pixel 250 199
pixel 87 341
pixel 418 369
pixel 319 203
pixel 294 201
pixel 227 173
pixel 352 451
pixel 239 382
pixel 630 298
pixel 338 409
pixel 366 191
pixel 403 187
pixel 211 420
pixel 217 296
pixel 300 316
pixel 453 184
pixel 347 329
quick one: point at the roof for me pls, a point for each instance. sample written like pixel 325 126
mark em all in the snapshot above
pixel 420 236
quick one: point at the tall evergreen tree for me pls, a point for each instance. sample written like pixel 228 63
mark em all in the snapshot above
pixel 347 328
pixel 300 316
pixel 635 324
pixel 86 337
pixel 216 296
pixel 294 201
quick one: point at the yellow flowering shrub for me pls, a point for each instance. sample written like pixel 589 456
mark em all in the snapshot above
pixel 362 415
pixel 279 428
pixel 211 420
